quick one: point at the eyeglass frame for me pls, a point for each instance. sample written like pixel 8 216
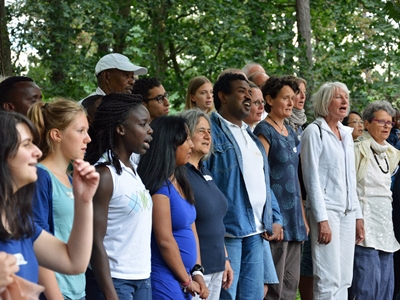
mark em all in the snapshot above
pixel 382 123
pixel 159 98
pixel 361 122
pixel 259 102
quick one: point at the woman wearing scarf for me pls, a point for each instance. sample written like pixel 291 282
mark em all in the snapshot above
pixel 373 275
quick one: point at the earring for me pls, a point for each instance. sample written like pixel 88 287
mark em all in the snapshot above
pixel 59 141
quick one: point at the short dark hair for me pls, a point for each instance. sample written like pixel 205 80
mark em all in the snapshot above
pixel 346 119
pixel 142 86
pixel 89 106
pixel 224 85
pixel 7 86
pixel 159 162
pixel 112 111
pixel 274 85
pixel 16 206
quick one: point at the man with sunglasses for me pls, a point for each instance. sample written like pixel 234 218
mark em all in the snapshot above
pixel 155 98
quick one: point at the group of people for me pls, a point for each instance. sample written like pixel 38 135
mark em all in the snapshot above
pixel 233 198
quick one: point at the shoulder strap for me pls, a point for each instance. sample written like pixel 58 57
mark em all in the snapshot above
pixel 319 127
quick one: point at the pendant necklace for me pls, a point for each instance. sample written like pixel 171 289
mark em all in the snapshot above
pixel 277 125
pixel 376 159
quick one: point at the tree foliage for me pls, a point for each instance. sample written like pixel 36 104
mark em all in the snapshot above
pixel 355 42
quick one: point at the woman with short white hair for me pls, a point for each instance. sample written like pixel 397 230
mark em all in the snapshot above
pixel 328 169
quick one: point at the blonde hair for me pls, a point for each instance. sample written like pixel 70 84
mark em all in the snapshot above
pixel 194 84
pixel 57 114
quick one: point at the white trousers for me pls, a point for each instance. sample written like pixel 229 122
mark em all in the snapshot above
pixel 213 281
pixel 333 263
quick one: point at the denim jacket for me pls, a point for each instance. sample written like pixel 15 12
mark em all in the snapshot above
pixel 226 167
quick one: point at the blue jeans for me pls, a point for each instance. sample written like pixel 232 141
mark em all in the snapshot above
pixel 126 289
pixel 247 263
pixel 373 276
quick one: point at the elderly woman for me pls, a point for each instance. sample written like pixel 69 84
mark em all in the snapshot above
pixel 329 177
pixel 211 206
pixel 354 121
pixel 375 161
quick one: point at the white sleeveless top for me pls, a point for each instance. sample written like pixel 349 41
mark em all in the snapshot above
pixel 127 239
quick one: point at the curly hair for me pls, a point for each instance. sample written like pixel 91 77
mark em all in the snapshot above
pixel 224 85
pixel 274 85
pixel 112 111
pixel 373 107
pixel 142 86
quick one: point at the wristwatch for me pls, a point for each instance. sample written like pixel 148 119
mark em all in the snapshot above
pixel 197 268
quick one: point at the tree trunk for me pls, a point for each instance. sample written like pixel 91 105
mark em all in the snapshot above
pixel 5 52
pixel 304 27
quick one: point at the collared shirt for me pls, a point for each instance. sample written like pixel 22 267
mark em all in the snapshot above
pixel 98 91
pixel 226 167
pixel 253 173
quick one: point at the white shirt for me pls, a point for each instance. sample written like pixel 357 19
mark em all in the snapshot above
pixel 253 172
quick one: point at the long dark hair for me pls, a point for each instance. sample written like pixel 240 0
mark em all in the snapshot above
pixel 159 162
pixel 112 111
pixel 15 207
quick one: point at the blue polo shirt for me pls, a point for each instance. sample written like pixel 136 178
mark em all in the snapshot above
pixel 211 207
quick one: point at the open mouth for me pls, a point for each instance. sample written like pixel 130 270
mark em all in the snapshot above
pixel 146 143
pixel 247 104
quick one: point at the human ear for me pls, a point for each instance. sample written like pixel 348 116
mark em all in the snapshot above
pixel 8 106
pixel 120 129
pixel 55 135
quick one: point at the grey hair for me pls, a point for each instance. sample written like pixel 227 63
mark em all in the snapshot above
pixel 373 107
pixel 323 97
pixel 192 117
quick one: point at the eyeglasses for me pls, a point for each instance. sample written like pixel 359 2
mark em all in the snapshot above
pixel 356 122
pixel 383 122
pixel 258 102
pixel 159 98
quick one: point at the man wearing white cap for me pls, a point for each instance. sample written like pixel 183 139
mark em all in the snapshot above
pixel 115 73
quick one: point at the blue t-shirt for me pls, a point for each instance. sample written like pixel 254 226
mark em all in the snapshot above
pixel 164 283
pixel 283 160
pixel 23 250
pixel 211 207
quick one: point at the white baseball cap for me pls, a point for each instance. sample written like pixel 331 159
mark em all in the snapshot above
pixel 120 62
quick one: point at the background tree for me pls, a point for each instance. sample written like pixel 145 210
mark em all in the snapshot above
pixel 355 42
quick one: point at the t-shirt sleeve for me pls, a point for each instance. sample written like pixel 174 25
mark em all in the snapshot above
pixel 263 129
pixel 37 231
pixel 164 190
pixel 43 201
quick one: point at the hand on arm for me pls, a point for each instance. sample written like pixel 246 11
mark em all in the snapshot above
pixel 73 257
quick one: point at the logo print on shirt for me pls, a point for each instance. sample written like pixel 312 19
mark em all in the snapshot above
pixel 139 201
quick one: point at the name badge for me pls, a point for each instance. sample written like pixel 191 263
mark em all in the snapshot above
pixel 207 177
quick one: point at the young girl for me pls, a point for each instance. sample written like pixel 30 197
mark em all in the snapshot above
pixel 19 234
pixel 200 94
pixel 62 126
pixel 175 256
pixel 120 265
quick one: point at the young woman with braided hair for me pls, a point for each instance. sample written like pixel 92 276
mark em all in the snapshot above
pixel 120 264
